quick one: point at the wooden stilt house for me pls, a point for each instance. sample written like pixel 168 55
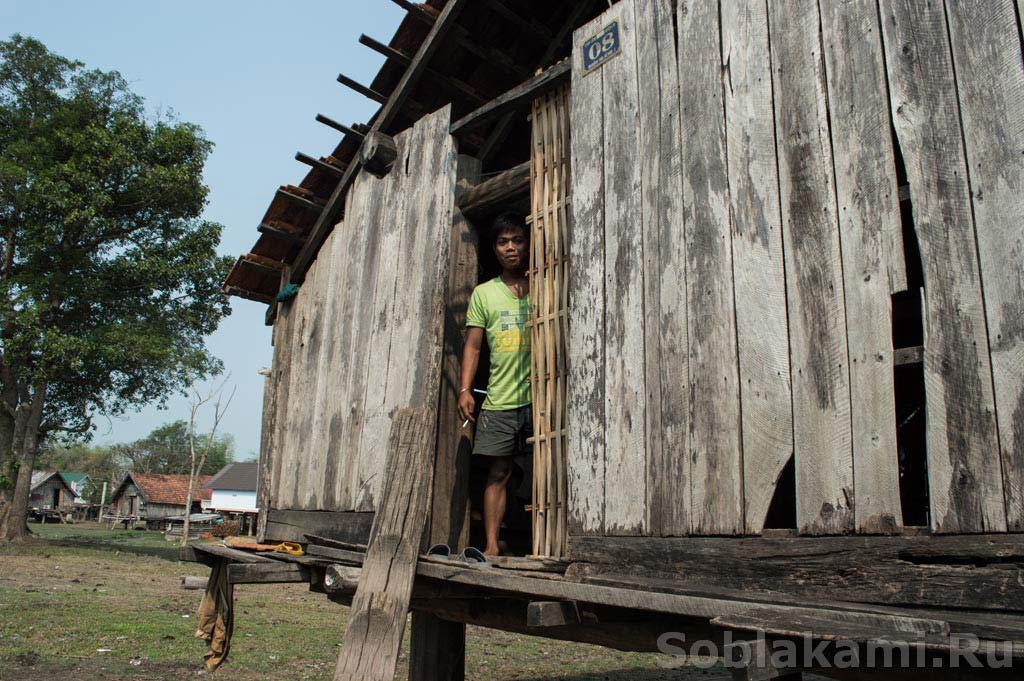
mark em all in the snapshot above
pixel 777 276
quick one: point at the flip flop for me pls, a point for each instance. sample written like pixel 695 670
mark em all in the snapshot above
pixel 473 557
pixel 442 550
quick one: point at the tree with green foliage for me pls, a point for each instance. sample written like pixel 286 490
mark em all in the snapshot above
pixel 109 278
pixel 167 450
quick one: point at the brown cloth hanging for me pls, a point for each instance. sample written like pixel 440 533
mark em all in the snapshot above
pixel 216 615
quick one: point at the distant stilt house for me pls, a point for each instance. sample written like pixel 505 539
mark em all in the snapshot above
pixel 233 493
pixel 777 329
pixel 78 482
pixel 51 496
pixel 153 498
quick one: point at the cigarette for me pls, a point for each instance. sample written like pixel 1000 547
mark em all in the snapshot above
pixel 465 423
pixel 477 390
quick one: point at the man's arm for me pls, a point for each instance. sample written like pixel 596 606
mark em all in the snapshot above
pixel 470 360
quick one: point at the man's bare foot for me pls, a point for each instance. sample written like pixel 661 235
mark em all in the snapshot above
pixel 492 551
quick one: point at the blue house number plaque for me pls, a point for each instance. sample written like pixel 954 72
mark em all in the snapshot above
pixel 601 47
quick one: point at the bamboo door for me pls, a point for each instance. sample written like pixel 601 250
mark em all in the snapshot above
pixel 549 247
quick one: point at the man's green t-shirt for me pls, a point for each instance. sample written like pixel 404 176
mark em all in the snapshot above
pixel 496 309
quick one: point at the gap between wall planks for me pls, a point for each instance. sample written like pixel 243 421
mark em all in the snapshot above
pixel 965 487
pixel 549 181
pixel 990 84
pixel 713 444
pixel 872 250
pixel 757 253
pixel 814 277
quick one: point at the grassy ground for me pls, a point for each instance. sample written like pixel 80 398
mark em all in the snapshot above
pixel 91 603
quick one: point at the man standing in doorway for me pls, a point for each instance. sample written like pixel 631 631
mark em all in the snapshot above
pixel 500 310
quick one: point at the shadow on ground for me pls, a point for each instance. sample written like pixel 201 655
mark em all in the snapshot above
pixel 167 552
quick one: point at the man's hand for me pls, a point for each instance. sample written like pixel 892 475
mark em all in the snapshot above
pixel 467 405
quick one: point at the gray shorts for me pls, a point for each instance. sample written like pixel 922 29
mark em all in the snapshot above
pixel 504 433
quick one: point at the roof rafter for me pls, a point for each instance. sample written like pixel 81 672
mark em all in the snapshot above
pixel 332 211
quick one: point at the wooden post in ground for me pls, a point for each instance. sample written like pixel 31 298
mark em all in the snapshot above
pixel 373 639
pixel 437 650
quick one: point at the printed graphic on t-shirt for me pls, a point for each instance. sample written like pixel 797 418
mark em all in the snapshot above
pixel 512 334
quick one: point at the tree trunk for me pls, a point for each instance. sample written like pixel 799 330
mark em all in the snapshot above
pixel 22 450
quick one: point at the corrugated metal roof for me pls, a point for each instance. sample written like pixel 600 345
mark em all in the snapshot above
pixel 240 475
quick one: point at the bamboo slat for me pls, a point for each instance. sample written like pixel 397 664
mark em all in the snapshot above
pixel 549 183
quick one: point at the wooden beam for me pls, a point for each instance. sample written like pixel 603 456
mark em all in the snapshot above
pixel 342 579
pixel 912 355
pixel 450 83
pixel 361 89
pixel 277 232
pixel 387 114
pixel 344 129
pixel 299 200
pixel 490 196
pixel 320 165
pixel 552 614
pixel 465 40
pixel 286 525
pixel 526 27
pixel 378 153
pixel 277 572
pixel 501 130
pixel 437 649
pixel 254 296
pixel 516 99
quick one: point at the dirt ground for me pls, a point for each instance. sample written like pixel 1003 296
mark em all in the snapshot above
pixel 89 603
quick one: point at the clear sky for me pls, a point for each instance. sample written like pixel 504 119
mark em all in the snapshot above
pixel 253 75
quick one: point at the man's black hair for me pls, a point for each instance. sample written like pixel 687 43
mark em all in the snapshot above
pixel 508 221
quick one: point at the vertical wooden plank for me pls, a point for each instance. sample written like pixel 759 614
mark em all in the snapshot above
pixel 449 519
pixel 437 647
pixel 283 341
pixel 965 486
pixel 373 433
pixel 869 219
pixel 319 485
pixel 625 398
pixel 714 433
pixel 814 277
pixel 373 639
pixel 355 289
pixel 273 415
pixel 300 408
pixel 664 257
pixel 585 406
pixel 990 86
pixel 757 252
pixel 422 279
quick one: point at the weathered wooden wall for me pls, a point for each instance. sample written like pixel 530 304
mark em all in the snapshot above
pixel 736 241
pixel 363 337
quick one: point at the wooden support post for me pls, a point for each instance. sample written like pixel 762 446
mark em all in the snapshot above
pixel 378 153
pixel 373 639
pixel 437 649
pixel 344 129
pixel 751 661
